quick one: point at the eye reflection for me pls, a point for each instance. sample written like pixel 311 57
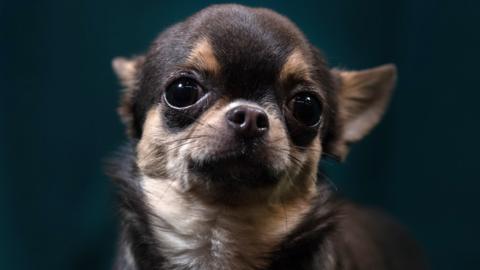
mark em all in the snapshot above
pixel 306 108
pixel 183 93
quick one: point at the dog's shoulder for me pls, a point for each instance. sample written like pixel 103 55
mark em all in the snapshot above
pixel 368 238
pixel 338 234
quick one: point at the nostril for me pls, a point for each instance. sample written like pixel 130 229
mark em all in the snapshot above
pixel 237 117
pixel 247 121
pixel 262 121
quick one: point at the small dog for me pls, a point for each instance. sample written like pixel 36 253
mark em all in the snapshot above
pixel 228 115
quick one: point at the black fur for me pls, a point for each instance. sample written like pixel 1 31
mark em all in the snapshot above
pixel 135 227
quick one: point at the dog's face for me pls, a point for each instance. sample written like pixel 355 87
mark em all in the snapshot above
pixel 234 102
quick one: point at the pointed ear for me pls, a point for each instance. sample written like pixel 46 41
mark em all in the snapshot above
pixel 362 99
pixel 127 71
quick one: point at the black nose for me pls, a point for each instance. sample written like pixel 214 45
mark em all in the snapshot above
pixel 248 121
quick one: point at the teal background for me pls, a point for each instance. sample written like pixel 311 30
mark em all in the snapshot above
pixel 57 119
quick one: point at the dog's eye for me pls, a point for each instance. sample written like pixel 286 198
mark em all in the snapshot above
pixel 183 92
pixel 306 108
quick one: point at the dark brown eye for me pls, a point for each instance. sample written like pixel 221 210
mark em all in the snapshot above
pixel 183 93
pixel 306 108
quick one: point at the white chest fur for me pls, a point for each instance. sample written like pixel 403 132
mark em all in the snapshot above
pixel 193 235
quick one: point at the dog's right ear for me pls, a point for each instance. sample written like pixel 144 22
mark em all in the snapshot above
pixel 127 71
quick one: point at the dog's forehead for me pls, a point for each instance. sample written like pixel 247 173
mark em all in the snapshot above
pixel 247 44
pixel 238 43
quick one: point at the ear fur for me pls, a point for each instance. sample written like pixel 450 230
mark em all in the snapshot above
pixel 127 72
pixel 362 99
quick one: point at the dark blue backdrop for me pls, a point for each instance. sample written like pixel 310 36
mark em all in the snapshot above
pixel 57 119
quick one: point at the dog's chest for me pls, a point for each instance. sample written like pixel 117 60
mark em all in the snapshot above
pixel 212 242
pixel 194 236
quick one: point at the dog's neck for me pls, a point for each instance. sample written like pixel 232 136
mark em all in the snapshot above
pixel 192 234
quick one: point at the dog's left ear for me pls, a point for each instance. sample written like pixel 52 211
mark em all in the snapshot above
pixel 362 99
pixel 127 71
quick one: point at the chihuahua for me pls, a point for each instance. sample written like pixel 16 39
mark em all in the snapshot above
pixel 228 115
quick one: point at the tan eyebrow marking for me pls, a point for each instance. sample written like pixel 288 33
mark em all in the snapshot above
pixel 295 66
pixel 203 58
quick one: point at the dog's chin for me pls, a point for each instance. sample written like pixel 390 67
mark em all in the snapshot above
pixel 236 170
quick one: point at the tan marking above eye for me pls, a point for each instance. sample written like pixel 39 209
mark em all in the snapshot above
pixel 202 57
pixel 295 66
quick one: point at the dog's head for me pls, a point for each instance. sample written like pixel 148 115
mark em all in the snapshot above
pixel 235 102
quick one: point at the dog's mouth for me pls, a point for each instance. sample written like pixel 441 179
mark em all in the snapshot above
pixel 235 168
